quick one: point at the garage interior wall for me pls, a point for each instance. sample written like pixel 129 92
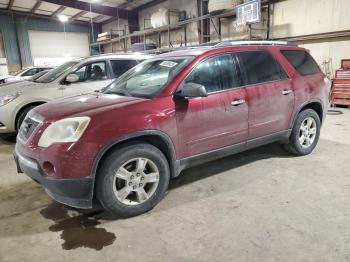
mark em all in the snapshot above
pixel 57 44
pixel 18 51
pixel 294 18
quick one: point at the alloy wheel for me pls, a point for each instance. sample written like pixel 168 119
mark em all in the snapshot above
pixel 307 132
pixel 136 181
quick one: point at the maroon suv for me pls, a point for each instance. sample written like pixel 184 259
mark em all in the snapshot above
pixel 122 145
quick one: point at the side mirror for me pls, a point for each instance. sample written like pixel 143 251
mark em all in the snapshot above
pixel 191 90
pixel 72 78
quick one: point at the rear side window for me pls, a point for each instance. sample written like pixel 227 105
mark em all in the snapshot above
pixel 260 67
pixel 119 67
pixel 302 61
pixel 216 74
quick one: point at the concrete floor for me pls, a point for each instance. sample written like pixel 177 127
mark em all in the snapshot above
pixel 262 205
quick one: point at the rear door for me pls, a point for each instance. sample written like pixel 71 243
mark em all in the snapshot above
pixel 209 123
pixel 270 95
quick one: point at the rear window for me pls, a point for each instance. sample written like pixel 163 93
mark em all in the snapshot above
pixel 302 61
pixel 119 67
pixel 260 67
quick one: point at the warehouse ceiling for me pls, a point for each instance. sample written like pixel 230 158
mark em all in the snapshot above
pixel 75 10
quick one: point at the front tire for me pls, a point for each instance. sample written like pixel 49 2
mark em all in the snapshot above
pixel 22 116
pixel 132 180
pixel 305 133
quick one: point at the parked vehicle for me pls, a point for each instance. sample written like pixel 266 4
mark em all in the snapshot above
pixel 33 78
pixel 40 74
pixel 72 78
pixel 24 74
pixel 122 145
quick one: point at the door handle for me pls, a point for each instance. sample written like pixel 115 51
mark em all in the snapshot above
pixel 61 88
pixel 286 92
pixel 237 102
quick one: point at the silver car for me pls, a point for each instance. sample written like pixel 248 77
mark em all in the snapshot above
pixel 72 78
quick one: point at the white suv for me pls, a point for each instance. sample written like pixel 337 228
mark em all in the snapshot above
pixel 72 78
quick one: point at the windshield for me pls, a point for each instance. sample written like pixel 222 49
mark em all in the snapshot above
pixel 148 78
pixel 57 72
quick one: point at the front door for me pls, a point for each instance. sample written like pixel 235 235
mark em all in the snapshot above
pixel 92 76
pixel 208 123
pixel 269 93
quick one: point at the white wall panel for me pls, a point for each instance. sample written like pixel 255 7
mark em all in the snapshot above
pixel 54 44
pixel 303 17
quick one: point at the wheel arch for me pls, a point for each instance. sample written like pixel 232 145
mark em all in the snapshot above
pixel 23 108
pixel 314 104
pixel 154 137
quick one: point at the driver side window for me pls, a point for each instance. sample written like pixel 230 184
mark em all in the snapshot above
pixel 92 72
pixel 30 72
pixel 217 73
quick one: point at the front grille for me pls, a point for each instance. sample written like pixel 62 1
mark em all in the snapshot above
pixel 28 126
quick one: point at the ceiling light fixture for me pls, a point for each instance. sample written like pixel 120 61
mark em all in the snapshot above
pixel 63 18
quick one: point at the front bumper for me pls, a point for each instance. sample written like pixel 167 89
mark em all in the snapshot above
pixel 6 120
pixel 74 192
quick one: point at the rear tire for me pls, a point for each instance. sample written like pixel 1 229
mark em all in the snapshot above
pixel 132 180
pixel 305 133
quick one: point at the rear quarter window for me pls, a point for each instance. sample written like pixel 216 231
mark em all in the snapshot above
pixel 302 61
pixel 260 67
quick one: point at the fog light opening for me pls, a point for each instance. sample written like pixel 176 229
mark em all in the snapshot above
pixel 48 168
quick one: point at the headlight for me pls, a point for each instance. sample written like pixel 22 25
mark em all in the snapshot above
pixel 8 98
pixel 64 131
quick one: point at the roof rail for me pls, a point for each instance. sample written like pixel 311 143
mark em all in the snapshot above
pixel 237 43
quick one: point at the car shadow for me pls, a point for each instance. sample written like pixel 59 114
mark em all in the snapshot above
pixel 7 139
pixel 85 228
pixel 231 162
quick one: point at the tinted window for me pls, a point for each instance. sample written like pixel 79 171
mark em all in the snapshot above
pixel 260 67
pixel 30 72
pixel 302 62
pixel 92 72
pixel 216 74
pixel 119 67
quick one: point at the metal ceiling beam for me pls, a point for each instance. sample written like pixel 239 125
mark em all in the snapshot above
pixel 35 7
pixel 95 8
pixel 38 16
pixel 9 7
pixel 76 16
pixel 58 11
pixel 149 4
pixel 99 17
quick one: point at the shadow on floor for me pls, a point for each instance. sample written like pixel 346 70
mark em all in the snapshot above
pixel 78 228
pixel 231 162
pixel 7 139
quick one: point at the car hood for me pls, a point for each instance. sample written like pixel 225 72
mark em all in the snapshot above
pixel 5 77
pixel 86 104
pixel 15 87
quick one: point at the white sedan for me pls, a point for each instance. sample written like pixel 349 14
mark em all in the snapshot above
pixel 24 74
